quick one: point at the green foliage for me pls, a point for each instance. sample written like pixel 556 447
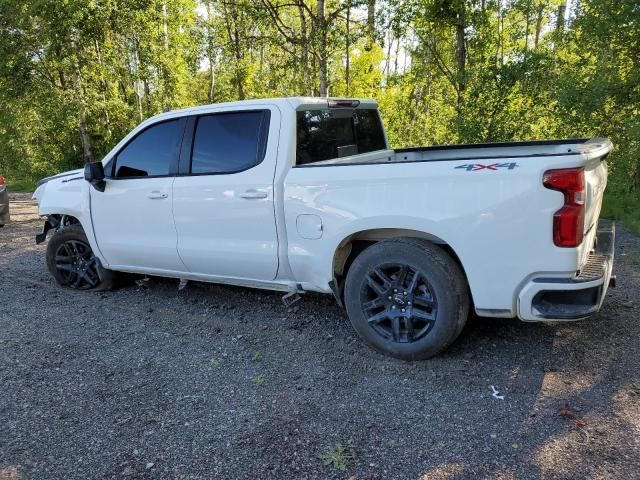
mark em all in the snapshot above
pixel 336 456
pixel 622 207
pixel 20 185
pixel 76 76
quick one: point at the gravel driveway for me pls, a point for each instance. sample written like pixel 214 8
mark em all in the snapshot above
pixel 220 382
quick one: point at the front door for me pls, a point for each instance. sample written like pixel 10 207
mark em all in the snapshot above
pixel 133 217
pixel 224 201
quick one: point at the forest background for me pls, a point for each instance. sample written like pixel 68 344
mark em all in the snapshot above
pixel 77 75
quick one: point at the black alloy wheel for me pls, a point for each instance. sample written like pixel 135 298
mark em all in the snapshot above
pixel 77 265
pixel 406 297
pixel 72 262
pixel 398 303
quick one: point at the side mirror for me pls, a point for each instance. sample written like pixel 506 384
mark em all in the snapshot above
pixel 94 174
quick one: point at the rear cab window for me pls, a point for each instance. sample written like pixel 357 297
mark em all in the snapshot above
pixel 336 133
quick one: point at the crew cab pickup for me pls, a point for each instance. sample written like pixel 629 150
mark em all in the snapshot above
pixel 305 194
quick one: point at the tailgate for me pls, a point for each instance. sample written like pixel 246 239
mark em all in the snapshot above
pixel 595 172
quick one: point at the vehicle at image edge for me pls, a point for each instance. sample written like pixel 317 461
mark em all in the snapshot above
pixel 4 203
pixel 304 194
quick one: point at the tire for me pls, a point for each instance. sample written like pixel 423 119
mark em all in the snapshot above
pixel 406 298
pixel 72 263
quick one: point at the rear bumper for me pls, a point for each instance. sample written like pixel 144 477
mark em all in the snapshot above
pixel 551 298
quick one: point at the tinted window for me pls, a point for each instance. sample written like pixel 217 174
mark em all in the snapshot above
pixel 328 134
pixel 229 142
pixel 151 152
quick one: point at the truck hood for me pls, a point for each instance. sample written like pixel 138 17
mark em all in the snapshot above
pixel 59 175
pixel 58 182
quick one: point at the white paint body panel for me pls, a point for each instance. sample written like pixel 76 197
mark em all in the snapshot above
pixel 133 224
pixel 498 222
pixel 224 226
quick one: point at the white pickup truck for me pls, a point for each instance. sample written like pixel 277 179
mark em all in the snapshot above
pixel 305 194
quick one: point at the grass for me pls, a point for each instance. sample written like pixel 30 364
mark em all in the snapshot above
pixel 20 185
pixel 623 207
pixel 258 379
pixel 336 456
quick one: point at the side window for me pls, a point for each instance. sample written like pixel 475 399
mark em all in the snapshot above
pixel 229 142
pixel 328 134
pixel 151 152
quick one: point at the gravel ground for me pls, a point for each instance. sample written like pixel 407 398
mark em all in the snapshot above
pixel 222 382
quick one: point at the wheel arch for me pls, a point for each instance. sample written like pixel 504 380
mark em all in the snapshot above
pixel 355 243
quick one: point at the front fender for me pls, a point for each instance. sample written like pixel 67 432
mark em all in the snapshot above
pixel 69 195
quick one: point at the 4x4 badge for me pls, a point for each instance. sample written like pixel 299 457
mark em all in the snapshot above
pixel 474 167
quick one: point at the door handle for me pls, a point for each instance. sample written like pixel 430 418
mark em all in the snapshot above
pixel 254 194
pixel 156 195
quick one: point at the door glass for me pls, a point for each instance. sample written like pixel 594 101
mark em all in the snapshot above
pixel 151 152
pixel 229 142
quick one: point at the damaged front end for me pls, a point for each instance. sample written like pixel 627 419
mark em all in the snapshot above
pixel 54 222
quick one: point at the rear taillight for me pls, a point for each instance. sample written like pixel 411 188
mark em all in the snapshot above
pixel 568 222
pixel 1 180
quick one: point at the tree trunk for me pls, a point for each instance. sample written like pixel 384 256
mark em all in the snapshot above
pixel 388 59
pixel 348 53
pixel 321 28
pixel 210 54
pixel 87 150
pixel 371 22
pixel 104 86
pixel 461 55
pixel 165 28
pixel 539 19
pixel 239 74
pixel 306 77
pixel 234 39
pixel 560 22
pixel 395 60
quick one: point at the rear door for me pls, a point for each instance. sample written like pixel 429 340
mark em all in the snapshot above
pixel 133 218
pixel 224 196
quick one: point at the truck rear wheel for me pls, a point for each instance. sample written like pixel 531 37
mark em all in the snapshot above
pixel 406 298
pixel 72 263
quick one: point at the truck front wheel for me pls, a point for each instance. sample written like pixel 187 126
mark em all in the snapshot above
pixel 72 263
pixel 406 298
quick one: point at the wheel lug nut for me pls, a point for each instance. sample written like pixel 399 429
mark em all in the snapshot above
pixel 393 307
pixel 390 297
pixel 408 303
pixel 404 293
pixel 403 310
pixel 395 290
